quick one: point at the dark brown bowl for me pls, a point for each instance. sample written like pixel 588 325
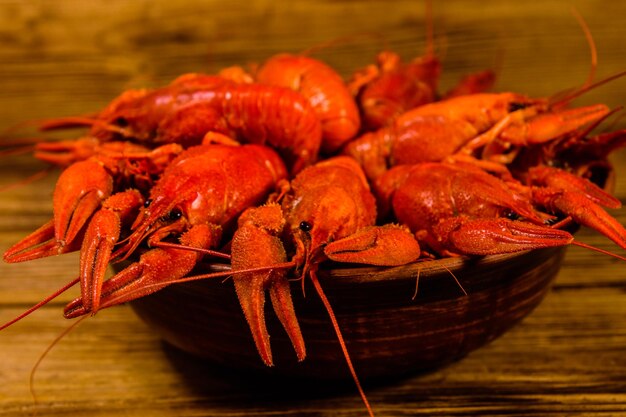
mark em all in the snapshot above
pixel 388 331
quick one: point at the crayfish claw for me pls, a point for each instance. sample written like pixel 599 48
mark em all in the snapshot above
pixel 495 236
pixel 251 294
pixel 545 127
pixel 39 244
pixel 255 244
pixel 387 245
pixel 156 269
pixel 101 235
pixel 583 211
pixel 79 192
pixel 280 294
pixel 563 180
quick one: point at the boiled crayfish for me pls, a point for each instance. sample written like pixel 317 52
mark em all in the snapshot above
pixel 326 212
pixel 229 165
pixel 459 209
pixel 464 124
pixel 195 105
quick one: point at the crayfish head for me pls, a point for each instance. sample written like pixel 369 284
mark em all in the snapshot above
pixel 125 116
pixel 493 108
pixel 156 220
pixel 325 215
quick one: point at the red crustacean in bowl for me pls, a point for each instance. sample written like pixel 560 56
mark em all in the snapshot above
pixel 395 320
pixel 188 189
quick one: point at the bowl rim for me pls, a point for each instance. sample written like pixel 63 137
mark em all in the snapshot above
pixel 350 273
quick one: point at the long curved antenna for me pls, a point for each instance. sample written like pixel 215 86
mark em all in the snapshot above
pixel 31 178
pixel 417 284
pixel 455 279
pixel 212 275
pixel 210 252
pixel 41 303
pixel 78 121
pixel 66 122
pixel 577 93
pixel 592 46
pixel 20 148
pixel 38 123
pixel 342 343
pixel 45 353
pixel 430 30
pixel 70 284
pixel 602 251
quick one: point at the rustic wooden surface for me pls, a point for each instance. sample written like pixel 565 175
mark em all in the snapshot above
pixel 70 57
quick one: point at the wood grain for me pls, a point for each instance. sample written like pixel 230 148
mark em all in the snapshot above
pixel 71 57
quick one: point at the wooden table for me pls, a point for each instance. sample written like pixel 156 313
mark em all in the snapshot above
pixel 71 57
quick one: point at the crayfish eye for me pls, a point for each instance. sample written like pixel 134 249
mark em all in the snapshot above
pixel 147 203
pixel 175 214
pixel 511 215
pixel 513 106
pixel 305 226
pixel 121 121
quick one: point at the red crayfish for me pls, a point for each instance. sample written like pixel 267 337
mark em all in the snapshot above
pixel 195 105
pixel 459 209
pixel 435 131
pixel 162 180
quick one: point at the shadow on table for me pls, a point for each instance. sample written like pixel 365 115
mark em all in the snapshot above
pixel 220 384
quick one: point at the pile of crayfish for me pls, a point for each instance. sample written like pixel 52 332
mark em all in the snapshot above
pixel 282 169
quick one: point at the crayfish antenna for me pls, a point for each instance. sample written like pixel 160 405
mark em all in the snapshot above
pixel 342 343
pixel 455 280
pixel 560 97
pixel 41 303
pixel 68 122
pixel 18 148
pixel 562 101
pixel 430 30
pixel 209 252
pixel 592 46
pixel 221 274
pixel 30 179
pixel 417 284
pixel 33 371
pixel 599 250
